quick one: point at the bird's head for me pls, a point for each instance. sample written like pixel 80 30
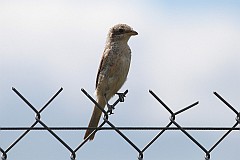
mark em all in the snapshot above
pixel 121 32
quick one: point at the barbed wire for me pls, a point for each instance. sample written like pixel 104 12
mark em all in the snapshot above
pixel 118 129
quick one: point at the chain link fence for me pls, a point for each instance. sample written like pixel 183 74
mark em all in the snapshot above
pixel 172 125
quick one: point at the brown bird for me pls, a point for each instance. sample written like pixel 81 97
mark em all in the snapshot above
pixel 113 70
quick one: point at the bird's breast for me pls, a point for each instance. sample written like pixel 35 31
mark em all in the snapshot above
pixel 115 72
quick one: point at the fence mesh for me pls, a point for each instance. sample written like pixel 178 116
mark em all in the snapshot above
pixel 108 125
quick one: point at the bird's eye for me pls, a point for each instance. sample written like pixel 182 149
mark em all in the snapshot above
pixel 120 30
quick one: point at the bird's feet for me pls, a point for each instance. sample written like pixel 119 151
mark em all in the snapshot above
pixel 110 109
pixel 109 106
pixel 121 96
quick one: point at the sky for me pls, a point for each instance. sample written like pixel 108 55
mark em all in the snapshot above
pixel 185 51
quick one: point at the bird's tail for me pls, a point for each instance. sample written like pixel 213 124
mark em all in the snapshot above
pixel 96 115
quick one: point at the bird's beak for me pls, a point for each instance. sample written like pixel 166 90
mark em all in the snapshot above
pixel 133 33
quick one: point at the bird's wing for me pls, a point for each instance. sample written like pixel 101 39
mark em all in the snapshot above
pixel 102 65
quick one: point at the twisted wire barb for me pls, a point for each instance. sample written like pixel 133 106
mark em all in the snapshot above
pixel 106 120
pixel 37 118
pixel 173 121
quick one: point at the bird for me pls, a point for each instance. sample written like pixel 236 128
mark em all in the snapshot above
pixel 112 72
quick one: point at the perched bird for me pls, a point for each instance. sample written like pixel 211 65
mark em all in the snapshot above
pixel 113 70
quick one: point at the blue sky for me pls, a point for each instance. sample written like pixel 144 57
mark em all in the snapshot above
pixel 184 52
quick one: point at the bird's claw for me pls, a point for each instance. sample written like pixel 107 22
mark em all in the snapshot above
pixel 110 109
pixel 109 106
pixel 121 96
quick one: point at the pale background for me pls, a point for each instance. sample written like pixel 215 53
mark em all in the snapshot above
pixel 185 50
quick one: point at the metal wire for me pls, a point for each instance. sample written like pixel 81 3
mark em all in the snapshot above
pixel 121 128
pixel 117 129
